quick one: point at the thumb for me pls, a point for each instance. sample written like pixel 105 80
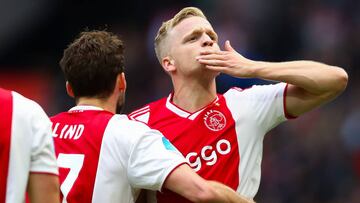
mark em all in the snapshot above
pixel 228 47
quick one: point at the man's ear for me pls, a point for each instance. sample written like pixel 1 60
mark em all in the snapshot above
pixel 168 64
pixel 121 81
pixel 69 90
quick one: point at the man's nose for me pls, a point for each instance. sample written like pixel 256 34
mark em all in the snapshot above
pixel 207 41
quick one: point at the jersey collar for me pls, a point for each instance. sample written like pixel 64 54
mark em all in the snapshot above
pixel 85 108
pixel 183 113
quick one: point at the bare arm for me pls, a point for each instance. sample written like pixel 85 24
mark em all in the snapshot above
pixel 230 193
pixel 184 181
pixel 43 188
pixel 310 83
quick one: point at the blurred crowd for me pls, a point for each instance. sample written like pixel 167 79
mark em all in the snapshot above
pixel 311 159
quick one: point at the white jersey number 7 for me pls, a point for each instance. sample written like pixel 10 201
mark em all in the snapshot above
pixel 74 162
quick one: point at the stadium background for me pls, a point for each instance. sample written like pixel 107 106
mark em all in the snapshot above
pixel 313 159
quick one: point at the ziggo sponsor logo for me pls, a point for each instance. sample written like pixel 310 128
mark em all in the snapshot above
pixel 223 147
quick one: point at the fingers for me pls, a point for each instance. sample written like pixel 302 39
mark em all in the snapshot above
pixel 207 52
pixel 220 69
pixel 215 68
pixel 212 62
pixel 227 50
pixel 228 46
pixel 211 56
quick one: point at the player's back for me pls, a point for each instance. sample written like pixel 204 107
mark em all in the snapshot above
pixel 102 157
pixel 78 136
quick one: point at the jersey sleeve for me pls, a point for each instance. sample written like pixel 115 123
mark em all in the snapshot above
pixel 152 159
pixel 263 104
pixel 42 148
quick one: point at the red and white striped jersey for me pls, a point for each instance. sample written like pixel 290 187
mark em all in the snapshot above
pixel 26 145
pixel 224 140
pixel 107 158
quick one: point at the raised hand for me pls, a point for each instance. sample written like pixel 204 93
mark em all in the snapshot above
pixel 228 61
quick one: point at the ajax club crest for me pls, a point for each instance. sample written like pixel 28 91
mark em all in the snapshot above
pixel 214 120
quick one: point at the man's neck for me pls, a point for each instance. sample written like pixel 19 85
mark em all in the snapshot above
pixel 102 103
pixel 193 96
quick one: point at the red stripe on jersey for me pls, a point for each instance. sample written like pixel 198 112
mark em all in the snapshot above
pixel 6 108
pixel 78 136
pixel 138 112
pixel 287 115
pixel 27 198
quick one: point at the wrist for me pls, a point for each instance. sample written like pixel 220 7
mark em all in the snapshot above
pixel 255 68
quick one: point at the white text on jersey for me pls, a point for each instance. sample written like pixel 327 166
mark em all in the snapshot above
pixel 212 158
pixel 68 131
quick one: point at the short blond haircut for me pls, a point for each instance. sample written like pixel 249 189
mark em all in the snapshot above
pixel 165 28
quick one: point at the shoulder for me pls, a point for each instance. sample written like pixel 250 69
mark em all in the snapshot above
pixel 24 102
pixel 122 125
pixel 127 132
pixel 123 120
pixel 27 107
pixel 255 90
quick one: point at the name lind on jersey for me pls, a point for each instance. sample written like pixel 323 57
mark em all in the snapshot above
pixel 68 131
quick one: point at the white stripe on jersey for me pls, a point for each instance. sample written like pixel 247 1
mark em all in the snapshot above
pixel 30 135
pixel 262 108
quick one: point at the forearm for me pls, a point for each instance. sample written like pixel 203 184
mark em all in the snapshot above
pixel 43 188
pixel 228 193
pixel 185 182
pixel 314 77
pixel 311 83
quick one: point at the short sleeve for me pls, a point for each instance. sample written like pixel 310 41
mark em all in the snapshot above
pixel 42 150
pixel 151 160
pixel 264 104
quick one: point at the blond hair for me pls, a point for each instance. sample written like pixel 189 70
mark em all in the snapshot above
pixel 165 28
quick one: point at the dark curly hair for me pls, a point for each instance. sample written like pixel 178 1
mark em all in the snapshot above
pixel 92 62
